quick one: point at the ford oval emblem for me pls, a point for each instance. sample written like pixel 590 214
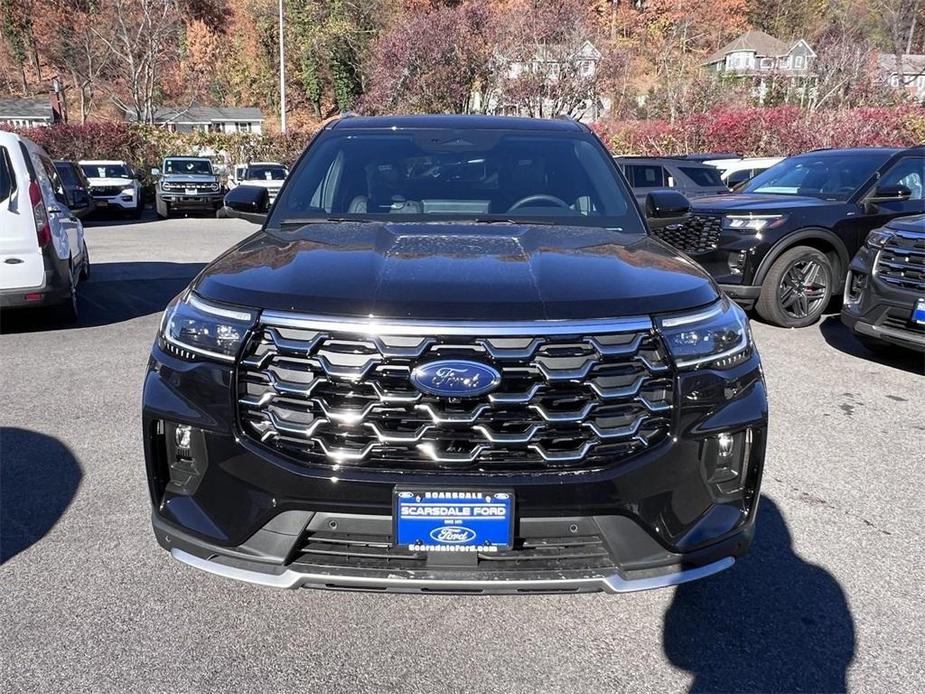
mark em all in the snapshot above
pixel 452 534
pixel 455 379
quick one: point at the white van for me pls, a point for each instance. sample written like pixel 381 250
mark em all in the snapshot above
pixel 43 255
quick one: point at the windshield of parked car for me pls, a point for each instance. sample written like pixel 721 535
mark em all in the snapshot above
pixel 451 175
pixel 828 175
pixel 67 173
pixel 264 172
pixel 188 166
pixel 104 171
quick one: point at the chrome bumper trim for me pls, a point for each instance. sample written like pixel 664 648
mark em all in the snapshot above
pixel 294 579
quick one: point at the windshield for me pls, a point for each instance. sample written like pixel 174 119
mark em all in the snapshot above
pixel 188 166
pixel 67 174
pixel 703 176
pixel 480 175
pixel 260 172
pixel 832 176
pixel 104 171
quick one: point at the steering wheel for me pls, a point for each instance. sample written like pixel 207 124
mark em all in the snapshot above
pixel 523 202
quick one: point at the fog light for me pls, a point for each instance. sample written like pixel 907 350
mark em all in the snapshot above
pixel 855 284
pixel 183 435
pixel 725 442
pixel 725 461
pixel 736 262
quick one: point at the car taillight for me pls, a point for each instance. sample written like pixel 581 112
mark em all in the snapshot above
pixel 40 215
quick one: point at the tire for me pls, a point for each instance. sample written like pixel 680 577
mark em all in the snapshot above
pixel 66 312
pixel 85 266
pixel 137 212
pixel 161 215
pixel 797 288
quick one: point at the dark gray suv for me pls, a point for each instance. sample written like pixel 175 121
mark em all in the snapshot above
pixel 692 178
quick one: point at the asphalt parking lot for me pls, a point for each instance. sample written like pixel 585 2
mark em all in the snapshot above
pixel 830 595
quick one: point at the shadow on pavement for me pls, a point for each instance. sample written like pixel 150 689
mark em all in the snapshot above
pixel 114 293
pixel 39 477
pixel 771 623
pixel 837 335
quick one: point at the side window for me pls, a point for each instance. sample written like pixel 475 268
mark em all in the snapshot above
pixel 7 175
pixel 54 179
pixel 908 172
pixel 643 176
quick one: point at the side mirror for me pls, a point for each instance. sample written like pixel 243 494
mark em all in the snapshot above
pixel 890 194
pixel 155 172
pixel 248 202
pixel 664 207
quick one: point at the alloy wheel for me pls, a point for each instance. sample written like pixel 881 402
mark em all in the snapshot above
pixel 803 288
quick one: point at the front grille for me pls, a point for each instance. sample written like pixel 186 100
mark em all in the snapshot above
pixel 334 550
pixel 107 191
pixel 183 187
pixel 901 262
pixel 696 235
pixel 327 395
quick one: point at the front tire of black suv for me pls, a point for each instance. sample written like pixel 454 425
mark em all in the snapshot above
pixel 797 288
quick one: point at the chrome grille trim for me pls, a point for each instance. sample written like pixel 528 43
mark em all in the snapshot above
pixel 901 262
pixel 374 327
pixel 329 395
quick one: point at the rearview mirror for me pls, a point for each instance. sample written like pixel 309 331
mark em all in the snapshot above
pixel 155 172
pixel 890 193
pixel 664 207
pixel 247 202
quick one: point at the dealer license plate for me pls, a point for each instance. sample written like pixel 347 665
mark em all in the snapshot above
pixel 918 313
pixel 191 191
pixel 454 520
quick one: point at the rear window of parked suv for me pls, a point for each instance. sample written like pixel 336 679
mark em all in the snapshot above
pixel 7 178
pixel 482 175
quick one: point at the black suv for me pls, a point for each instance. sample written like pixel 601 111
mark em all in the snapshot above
pixel 884 302
pixel 453 360
pixel 783 243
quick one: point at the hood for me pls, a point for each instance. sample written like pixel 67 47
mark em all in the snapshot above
pixel 456 272
pixel 188 178
pixel 126 182
pixel 269 185
pixel 915 224
pixel 756 202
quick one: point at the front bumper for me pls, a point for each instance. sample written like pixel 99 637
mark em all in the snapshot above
pixel 246 512
pixel 116 202
pixel 880 310
pixel 203 202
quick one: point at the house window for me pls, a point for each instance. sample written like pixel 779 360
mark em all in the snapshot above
pixel 767 63
pixel 587 68
pixel 798 62
pixel 244 127
pixel 894 81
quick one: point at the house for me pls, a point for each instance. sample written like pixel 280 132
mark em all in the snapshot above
pixel 905 72
pixel 27 113
pixel 756 53
pixel 218 119
pixel 570 73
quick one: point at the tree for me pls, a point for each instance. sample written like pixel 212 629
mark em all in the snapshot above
pixel 432 62
pixel 143 39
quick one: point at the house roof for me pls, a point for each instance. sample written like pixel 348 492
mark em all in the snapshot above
pixel 909 63
pixel 764 45
pixel 206 114
pixel 26 108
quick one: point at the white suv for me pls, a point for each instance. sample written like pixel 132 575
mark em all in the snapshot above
pixel 43 254
pixel 114 185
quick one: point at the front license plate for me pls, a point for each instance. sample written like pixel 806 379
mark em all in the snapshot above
pixel 918 313
pixel 454 520
pixel 191 191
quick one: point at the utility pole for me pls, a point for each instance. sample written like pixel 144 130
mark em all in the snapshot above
pixel 282 71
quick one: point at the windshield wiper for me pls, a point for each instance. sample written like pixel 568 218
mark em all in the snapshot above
pixel 322 220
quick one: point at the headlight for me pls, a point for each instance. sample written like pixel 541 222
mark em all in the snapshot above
pixel 878 238
pixel 128 191
pixel 755 223
pixel 204 328
pixel 718 336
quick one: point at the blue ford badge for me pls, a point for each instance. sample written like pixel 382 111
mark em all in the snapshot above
pixel 455 379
